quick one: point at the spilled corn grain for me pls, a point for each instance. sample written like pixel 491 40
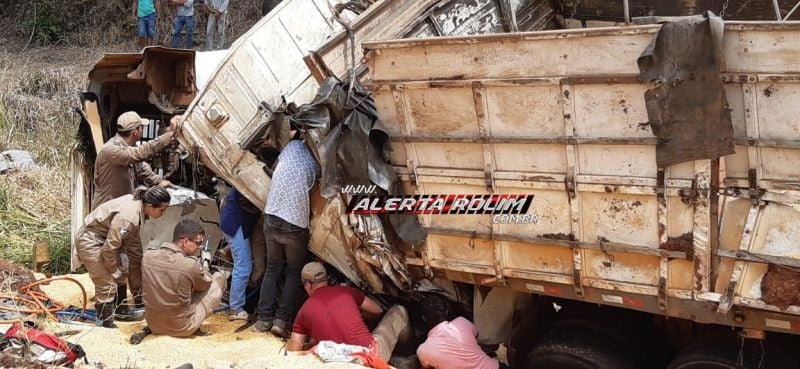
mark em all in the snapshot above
pixel 222 348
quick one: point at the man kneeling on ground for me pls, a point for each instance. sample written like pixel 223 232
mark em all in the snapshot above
pixel 179 293
pixel 333 313
pixel 451 344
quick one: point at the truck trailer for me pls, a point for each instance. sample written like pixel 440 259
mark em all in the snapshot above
pixel 659 151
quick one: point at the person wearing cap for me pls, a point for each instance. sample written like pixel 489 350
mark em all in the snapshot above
pixel 179 291
pixel 108 245
pixel 333 313
pixel 120 162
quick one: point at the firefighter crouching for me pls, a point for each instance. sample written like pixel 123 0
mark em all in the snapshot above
pixel 109 246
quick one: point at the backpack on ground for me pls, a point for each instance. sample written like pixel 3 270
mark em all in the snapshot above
pixel 28 341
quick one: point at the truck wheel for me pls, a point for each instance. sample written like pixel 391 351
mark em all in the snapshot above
pixel 580 348
pixel 722 350
pixel 268 5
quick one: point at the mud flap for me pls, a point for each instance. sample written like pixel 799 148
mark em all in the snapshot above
pixel 688 108
pixel 496 312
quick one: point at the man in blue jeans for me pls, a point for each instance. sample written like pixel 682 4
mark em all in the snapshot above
pixel 185 10
pixel 145 13
pixel 238 219
pixel 286 232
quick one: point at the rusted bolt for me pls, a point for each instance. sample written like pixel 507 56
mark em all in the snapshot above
pixel 738 316
pixel 215 115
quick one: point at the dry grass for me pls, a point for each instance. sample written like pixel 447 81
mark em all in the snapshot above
pixel 46 51
pixel 34 207
pixel 38 93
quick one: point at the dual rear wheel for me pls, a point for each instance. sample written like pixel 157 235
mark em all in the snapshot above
pixel 592 348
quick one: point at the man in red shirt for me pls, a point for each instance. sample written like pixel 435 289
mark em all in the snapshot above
pixel 333 313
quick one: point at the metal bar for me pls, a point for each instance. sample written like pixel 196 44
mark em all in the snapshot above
pixel 545 277
pixel 729 77
pixel 626 5
pixel 548 181
pixel 462 267
pixel 565 140
pixel 522 36
pixel 714 217
pixel 406 119
pixel 760 142
pixel 385 85
pixel 742 255
pixel 605 80
pixel 764 184
pixel 701 226
pixel 316 65
pixel 789 14
pixel 777 10
pixel 726 300
pixel 481 108
pixel 601 245
pixel 759 26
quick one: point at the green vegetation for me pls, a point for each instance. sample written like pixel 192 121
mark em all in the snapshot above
pixel 20 228
pixel 36 114
pixel 47 48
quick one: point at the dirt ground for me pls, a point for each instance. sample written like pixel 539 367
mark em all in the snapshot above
pixel 222 348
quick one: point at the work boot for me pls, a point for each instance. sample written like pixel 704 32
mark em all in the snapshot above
pixel 122 295
pixel 125 312
pixel 280 328
pixel 138 299
pixel 105 315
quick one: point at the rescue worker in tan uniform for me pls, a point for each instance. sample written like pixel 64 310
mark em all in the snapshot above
pixel 108 244
pixel 179 292
pixel 120 163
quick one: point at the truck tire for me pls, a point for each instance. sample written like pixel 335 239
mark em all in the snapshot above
pixel 721 350
pixel 580 348
pixel 268 5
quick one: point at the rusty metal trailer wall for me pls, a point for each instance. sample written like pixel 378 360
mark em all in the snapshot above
pixel 561 115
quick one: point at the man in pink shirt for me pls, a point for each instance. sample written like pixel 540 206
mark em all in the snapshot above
pixel 451 344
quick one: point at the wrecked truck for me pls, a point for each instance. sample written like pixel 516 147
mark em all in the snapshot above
pixel 656 244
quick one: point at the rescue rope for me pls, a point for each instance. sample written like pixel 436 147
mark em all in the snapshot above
pixel 34 302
